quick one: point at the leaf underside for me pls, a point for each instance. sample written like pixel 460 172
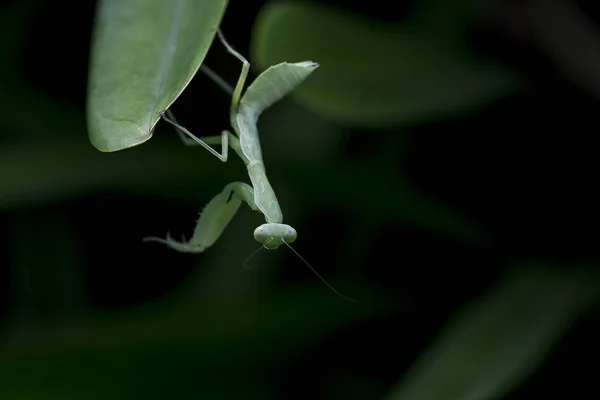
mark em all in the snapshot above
pixel 144 53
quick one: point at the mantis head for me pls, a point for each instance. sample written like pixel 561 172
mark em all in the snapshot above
pixel 272 235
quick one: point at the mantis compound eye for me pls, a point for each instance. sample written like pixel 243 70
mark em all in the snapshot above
pixel 274 235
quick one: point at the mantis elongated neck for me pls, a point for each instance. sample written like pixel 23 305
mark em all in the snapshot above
pixel 264 196
pixel 247 131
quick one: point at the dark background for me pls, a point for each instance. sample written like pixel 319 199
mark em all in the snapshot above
pixel 89 311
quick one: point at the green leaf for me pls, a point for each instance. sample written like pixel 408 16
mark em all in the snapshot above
pixel 144 53
pixel 493 345
pixel 372 74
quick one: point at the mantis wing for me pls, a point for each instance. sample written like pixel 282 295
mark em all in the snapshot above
pixel 272 85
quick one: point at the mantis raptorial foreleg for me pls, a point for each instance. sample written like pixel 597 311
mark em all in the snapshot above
pixel 213 219
pixel 216 216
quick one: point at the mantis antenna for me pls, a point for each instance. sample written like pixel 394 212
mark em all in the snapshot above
pixel 269 87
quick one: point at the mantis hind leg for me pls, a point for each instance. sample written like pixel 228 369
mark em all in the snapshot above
pixel 237 92
pixel 213 220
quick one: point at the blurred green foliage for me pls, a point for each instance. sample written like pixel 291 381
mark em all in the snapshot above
pixel 431 236
pixel 377 75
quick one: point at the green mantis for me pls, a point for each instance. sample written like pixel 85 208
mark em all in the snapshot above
pixel 270 86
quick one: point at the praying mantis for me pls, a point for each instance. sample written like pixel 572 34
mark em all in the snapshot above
pixel 268 88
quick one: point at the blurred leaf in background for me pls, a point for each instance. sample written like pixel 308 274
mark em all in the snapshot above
pixel 490 347
pixel 378 75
